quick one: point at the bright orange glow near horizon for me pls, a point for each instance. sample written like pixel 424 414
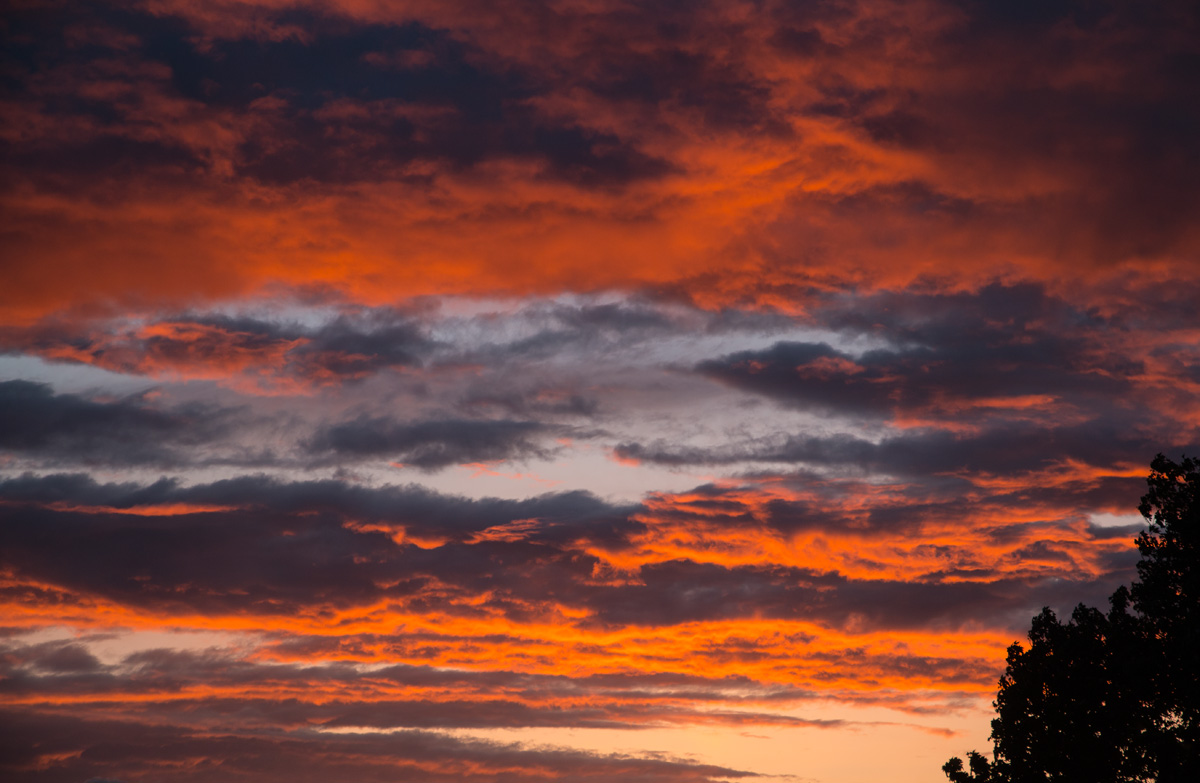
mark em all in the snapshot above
pixel 560 390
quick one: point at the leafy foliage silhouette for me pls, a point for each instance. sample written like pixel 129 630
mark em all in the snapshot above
pixel 1112 698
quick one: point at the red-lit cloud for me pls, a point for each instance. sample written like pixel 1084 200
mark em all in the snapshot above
pixel 744 155
pixel 843 333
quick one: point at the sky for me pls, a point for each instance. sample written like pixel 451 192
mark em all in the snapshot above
pixel 670 392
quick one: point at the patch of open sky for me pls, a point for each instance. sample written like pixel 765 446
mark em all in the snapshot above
pixel 589 469
pixel 810 751
pixel 1105 519
pixel 73 377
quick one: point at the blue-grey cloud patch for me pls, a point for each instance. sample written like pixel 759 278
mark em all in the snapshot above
pixel 988 350
pixel 922 453
pixel 36 423
pixel 352 345
pixel 432 445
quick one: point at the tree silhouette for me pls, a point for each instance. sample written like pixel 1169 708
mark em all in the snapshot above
pixel 1112 697
pixel 1167 596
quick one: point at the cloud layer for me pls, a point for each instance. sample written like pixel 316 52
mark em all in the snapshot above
pixel 717 152
pixel 589 391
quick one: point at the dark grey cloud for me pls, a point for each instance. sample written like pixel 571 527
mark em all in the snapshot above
pixel 57 748
pixel 274 546
pixel 525 401
pixel 431 445
pixel 950 351
pixel 614 317
pixel 560 328
pixel 53 658
pixel 1005 380
pixel 37 423
pixel 354 344
pixel 418 509
pixel 1009 450
pixel 421 95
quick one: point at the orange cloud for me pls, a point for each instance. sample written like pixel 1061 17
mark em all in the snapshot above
pixel 833 161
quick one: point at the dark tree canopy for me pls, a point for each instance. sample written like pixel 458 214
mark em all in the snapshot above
pixel 1167 596
pixel 1112 697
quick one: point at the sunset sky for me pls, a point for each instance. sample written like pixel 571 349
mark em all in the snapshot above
pixel 580 390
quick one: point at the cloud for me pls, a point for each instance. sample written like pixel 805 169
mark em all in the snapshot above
pixel 449 151
pixel 1002 349
pixel 53 658
pixel 60 428
pixel 343 102
pixel 275 549
pixel 431 445
pixel 1005 381
pixel 905 294
pixel 309 343
pixel 53 747
pixel 248 353
pixel 217 687
pixel 1001 451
